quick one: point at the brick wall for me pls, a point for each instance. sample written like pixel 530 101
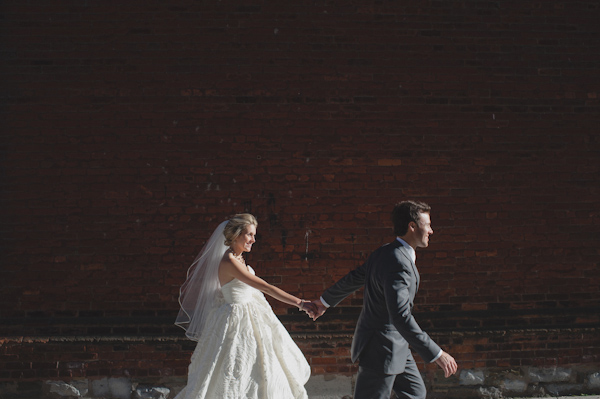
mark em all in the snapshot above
pixel 131 130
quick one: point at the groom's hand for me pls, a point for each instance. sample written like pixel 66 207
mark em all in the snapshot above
pixel 447 363
pixel 310 309
pixel 320 309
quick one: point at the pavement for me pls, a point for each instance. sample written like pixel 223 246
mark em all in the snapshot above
pixel 564 397
pixel 339 387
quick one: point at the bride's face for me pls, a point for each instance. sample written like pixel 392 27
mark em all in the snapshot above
pixel 245 240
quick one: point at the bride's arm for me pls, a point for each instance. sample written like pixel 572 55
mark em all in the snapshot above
pixel 231 268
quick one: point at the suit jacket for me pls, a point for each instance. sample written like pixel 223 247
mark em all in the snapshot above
pixel 386 326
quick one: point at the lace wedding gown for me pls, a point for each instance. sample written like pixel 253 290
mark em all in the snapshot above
pixel 245 352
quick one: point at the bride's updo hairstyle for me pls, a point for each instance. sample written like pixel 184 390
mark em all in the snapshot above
pixel 236 225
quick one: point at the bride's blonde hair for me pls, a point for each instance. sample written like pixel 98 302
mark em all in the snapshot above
pixel 236 225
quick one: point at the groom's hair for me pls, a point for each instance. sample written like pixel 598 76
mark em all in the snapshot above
pixel 405 212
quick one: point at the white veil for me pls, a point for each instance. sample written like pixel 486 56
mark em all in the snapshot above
pixel 199 292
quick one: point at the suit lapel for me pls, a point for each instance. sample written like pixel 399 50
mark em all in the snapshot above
pixel 416 274
pixel 404 252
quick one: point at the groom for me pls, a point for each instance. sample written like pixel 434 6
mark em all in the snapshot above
pixel 386 326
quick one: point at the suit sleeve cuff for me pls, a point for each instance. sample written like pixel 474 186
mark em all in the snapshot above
pixel 438 356
pixel 327 306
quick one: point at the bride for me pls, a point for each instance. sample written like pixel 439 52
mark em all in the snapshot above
pixel 243 350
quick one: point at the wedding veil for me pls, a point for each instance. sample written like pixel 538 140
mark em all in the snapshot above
pixel 199 292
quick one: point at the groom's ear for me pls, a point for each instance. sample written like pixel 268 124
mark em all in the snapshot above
pixel 412 226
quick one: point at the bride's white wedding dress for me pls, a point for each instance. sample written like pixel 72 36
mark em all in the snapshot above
pixel 245 352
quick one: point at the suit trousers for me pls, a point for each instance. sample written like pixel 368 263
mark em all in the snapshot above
pixel 407 385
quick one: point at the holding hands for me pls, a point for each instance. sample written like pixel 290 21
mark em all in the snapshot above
pixel 320 309
pixel 309 308
pixel 314 309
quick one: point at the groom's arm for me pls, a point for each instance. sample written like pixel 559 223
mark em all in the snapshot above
pixel 397 297
pixel 345 286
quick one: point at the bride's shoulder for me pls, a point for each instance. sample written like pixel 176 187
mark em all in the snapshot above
pixel 227 259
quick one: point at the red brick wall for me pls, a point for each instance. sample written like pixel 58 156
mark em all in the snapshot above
pixel 131 130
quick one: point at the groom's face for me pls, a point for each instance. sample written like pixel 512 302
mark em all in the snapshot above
pixel 423 230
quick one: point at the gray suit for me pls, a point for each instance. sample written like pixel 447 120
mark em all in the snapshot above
pixel 386 326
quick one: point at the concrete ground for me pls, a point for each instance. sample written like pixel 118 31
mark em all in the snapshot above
pixel 567 397
pixel 340 387
pixel 329 387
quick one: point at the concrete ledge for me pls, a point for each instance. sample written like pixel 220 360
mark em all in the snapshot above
pixel 330 387
pixel 565 397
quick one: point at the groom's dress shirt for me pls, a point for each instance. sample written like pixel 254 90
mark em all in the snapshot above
pixel 413 256
pixel 411 250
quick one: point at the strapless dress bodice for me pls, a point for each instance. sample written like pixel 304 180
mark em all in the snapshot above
pixel 238 292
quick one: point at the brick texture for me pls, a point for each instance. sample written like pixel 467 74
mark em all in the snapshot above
pixel 130 130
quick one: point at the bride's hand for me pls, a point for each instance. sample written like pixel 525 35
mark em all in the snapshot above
pixel 309 307
pixel 319 309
